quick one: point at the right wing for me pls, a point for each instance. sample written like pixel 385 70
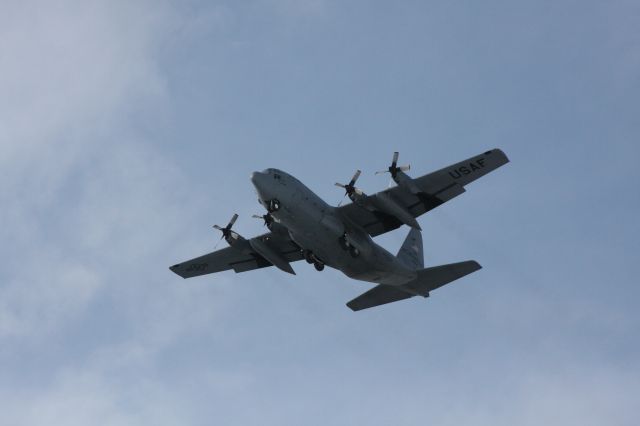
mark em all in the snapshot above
pixel 240 257
pixel 437 188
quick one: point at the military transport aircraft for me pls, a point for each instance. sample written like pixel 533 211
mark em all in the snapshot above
pixel 303 226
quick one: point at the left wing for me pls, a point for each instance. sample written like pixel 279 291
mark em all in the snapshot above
pixel 240 257
pixel 435 189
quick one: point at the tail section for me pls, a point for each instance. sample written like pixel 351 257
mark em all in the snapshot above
pixel 411 253
pixel 428 280
pixel 435 277
pixel 378 295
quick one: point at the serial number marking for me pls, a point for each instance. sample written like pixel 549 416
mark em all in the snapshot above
pixel 196 267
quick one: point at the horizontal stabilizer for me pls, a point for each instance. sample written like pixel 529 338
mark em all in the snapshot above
pixel 428 280
pixel 378 296
pixel 432 278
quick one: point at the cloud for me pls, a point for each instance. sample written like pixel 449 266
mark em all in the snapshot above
pixel 47 291
pixel 72 66
pixel 70 70
pixel 84 397
pixel 92 213
pixel 70 74
pixel 95 329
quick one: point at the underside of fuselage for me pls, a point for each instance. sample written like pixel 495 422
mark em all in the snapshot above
pixel 324 236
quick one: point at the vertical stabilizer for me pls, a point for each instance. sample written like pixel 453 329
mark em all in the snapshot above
pixel 411 251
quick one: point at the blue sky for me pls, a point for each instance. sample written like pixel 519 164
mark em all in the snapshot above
pixel 128 128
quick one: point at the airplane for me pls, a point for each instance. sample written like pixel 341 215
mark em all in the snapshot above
pixel 303 226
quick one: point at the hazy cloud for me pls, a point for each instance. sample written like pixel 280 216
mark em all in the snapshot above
pixel 128 129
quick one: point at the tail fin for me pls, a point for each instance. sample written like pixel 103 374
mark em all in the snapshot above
pixel 411 253
pixel 428 280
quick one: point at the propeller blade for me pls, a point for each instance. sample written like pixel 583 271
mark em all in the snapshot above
pixel 355 177
pixel 233 220
pixel 266 218
pixel 227 233
pixel 350 188
pixel 394 168
pixel 226 230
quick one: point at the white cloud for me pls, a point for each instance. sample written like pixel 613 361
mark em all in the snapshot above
pixel 69 74
pixel 92 213
pixel 47 290
pixel 68 71
pixel 569 397
pixel 84 397
pixel 90 210
pixel 70 66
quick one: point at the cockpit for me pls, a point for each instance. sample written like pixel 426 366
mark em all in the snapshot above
pixel 275 173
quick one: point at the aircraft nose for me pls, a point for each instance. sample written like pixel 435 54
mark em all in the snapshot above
pixel 256 177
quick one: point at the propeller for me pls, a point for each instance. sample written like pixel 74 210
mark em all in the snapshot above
pixel 226 231
pixel 350 188
pixel 394 168
pixel 268 219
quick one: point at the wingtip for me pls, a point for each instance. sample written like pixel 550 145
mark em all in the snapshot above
pixel 499 152
pixel 475 264
pixel 175 269
pixel 350 306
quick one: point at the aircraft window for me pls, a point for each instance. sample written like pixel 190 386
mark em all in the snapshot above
pixel 276 176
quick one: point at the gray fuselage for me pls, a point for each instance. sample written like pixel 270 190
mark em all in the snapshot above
pixel 318 228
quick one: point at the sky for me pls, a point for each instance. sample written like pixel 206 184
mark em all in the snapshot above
pixel 129 128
